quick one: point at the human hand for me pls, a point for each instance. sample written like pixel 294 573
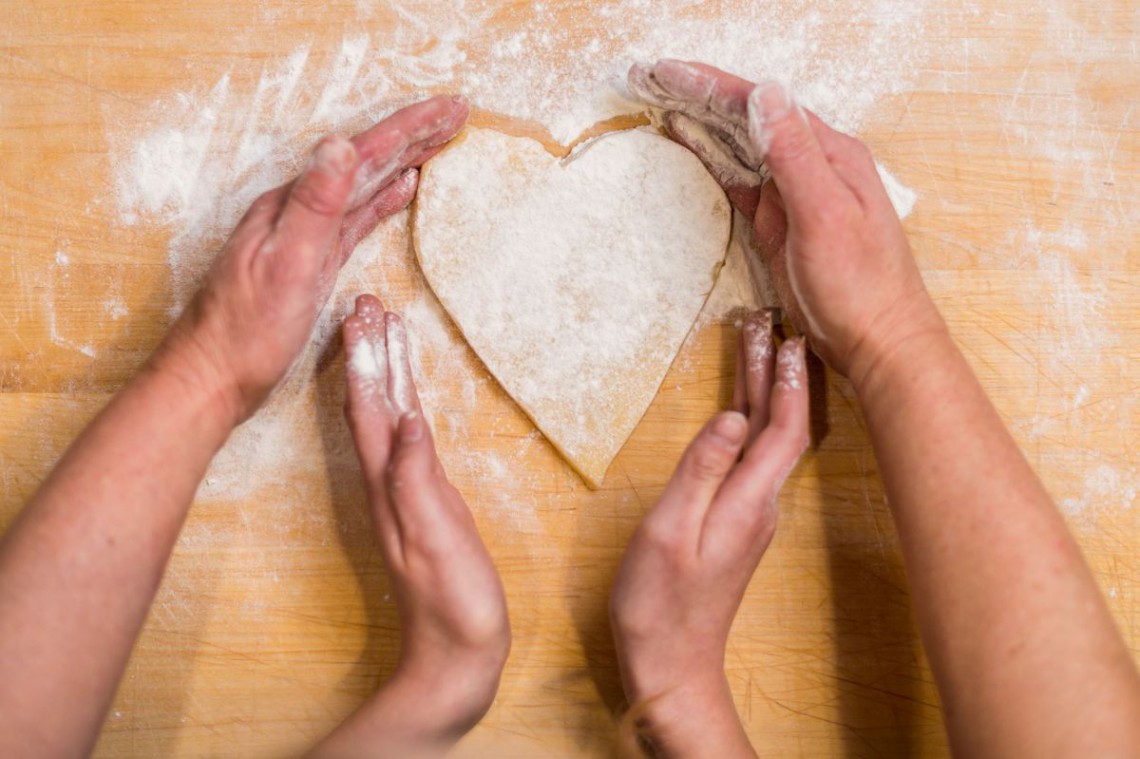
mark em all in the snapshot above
pixel 455 635
pixel 688 564
pixel 257 307
pixel 834 246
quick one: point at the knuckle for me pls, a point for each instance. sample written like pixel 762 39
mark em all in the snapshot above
pixel 765 528
pixel 319 195
pixel 840 214
pixel 860 153
pixel 663 538
pixel 485 628
pixel 261 206
pixel 706 463
pixel 398 476
pixel 792 140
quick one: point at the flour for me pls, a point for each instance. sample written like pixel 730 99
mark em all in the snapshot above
pixel 566 68
pixel 789 363
pixel 364 362
pixel 902 198
pixel 1105 488
pixel 400 381
pixel 193 162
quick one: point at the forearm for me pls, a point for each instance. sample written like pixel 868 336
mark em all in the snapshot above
pixel 1016 629
pixel 79 568
pixel 415 715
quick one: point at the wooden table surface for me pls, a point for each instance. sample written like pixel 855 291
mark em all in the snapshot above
pixel 274 619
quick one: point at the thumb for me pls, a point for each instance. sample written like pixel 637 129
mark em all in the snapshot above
pixel 310 222
pixel 780 130
pixel 703 468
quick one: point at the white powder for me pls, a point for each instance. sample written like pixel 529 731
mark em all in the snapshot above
pixel 902 197
pixel 194 161
pixel 1105 488
pixel 565 68
pixel 400 383
pixel 758 341
pixel 363 362
pixel 789 363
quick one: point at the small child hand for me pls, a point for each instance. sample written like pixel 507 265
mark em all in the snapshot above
pixel 455 635
pixel 687 567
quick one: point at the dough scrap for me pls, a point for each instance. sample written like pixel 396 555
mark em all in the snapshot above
pixel 575 281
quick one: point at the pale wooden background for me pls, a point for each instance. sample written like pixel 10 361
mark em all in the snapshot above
pixel 274 622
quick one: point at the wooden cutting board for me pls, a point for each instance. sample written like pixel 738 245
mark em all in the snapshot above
pixel 275 619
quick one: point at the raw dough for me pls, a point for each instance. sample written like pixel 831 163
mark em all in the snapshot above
pixel 575 281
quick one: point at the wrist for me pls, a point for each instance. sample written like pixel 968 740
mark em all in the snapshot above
pixel 896 347
pixel 460 694
pixel 182 360
pixel 414 715
pixel 694 719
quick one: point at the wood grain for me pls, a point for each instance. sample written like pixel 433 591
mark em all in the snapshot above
pixel 274 619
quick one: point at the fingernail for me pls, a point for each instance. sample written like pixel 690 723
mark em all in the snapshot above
pixel 637 79
pixel 730 428
pixel 411 427
pixel 335 155
pixel 768 103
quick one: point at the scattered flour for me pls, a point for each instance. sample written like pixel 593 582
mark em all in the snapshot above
pixel 1105 489
pixel 194 161
pixel 902 197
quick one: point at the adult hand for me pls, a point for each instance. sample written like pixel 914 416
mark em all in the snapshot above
pixel 688 565
pixel 834 246
pixel 455 635
pixel 256 310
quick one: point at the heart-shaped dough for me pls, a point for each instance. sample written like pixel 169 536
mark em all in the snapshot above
pixel 575 281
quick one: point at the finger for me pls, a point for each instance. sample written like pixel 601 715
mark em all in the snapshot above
pixel 771 228
pixel 851 159
pixel 704 93
pixel 739 390
pixel 782 134
pixel 745 507
pixel 758 369
pixel 259 219
pixel 405 140
pixel 369 413
pixel 839 147
pixel 729 96
pixel 401 386
pixel 414 486
pixel 368 416
pixel 702 469
pixel 740 183
pixel 310 219
pixel 770 222
pixel 360 222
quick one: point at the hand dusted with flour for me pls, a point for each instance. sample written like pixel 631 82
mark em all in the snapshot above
pixel 577 281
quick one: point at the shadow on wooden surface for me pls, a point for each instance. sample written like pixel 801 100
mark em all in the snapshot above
pixel 877 661
pixel 604 524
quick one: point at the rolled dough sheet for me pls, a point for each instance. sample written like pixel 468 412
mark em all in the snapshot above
pixel 574 280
